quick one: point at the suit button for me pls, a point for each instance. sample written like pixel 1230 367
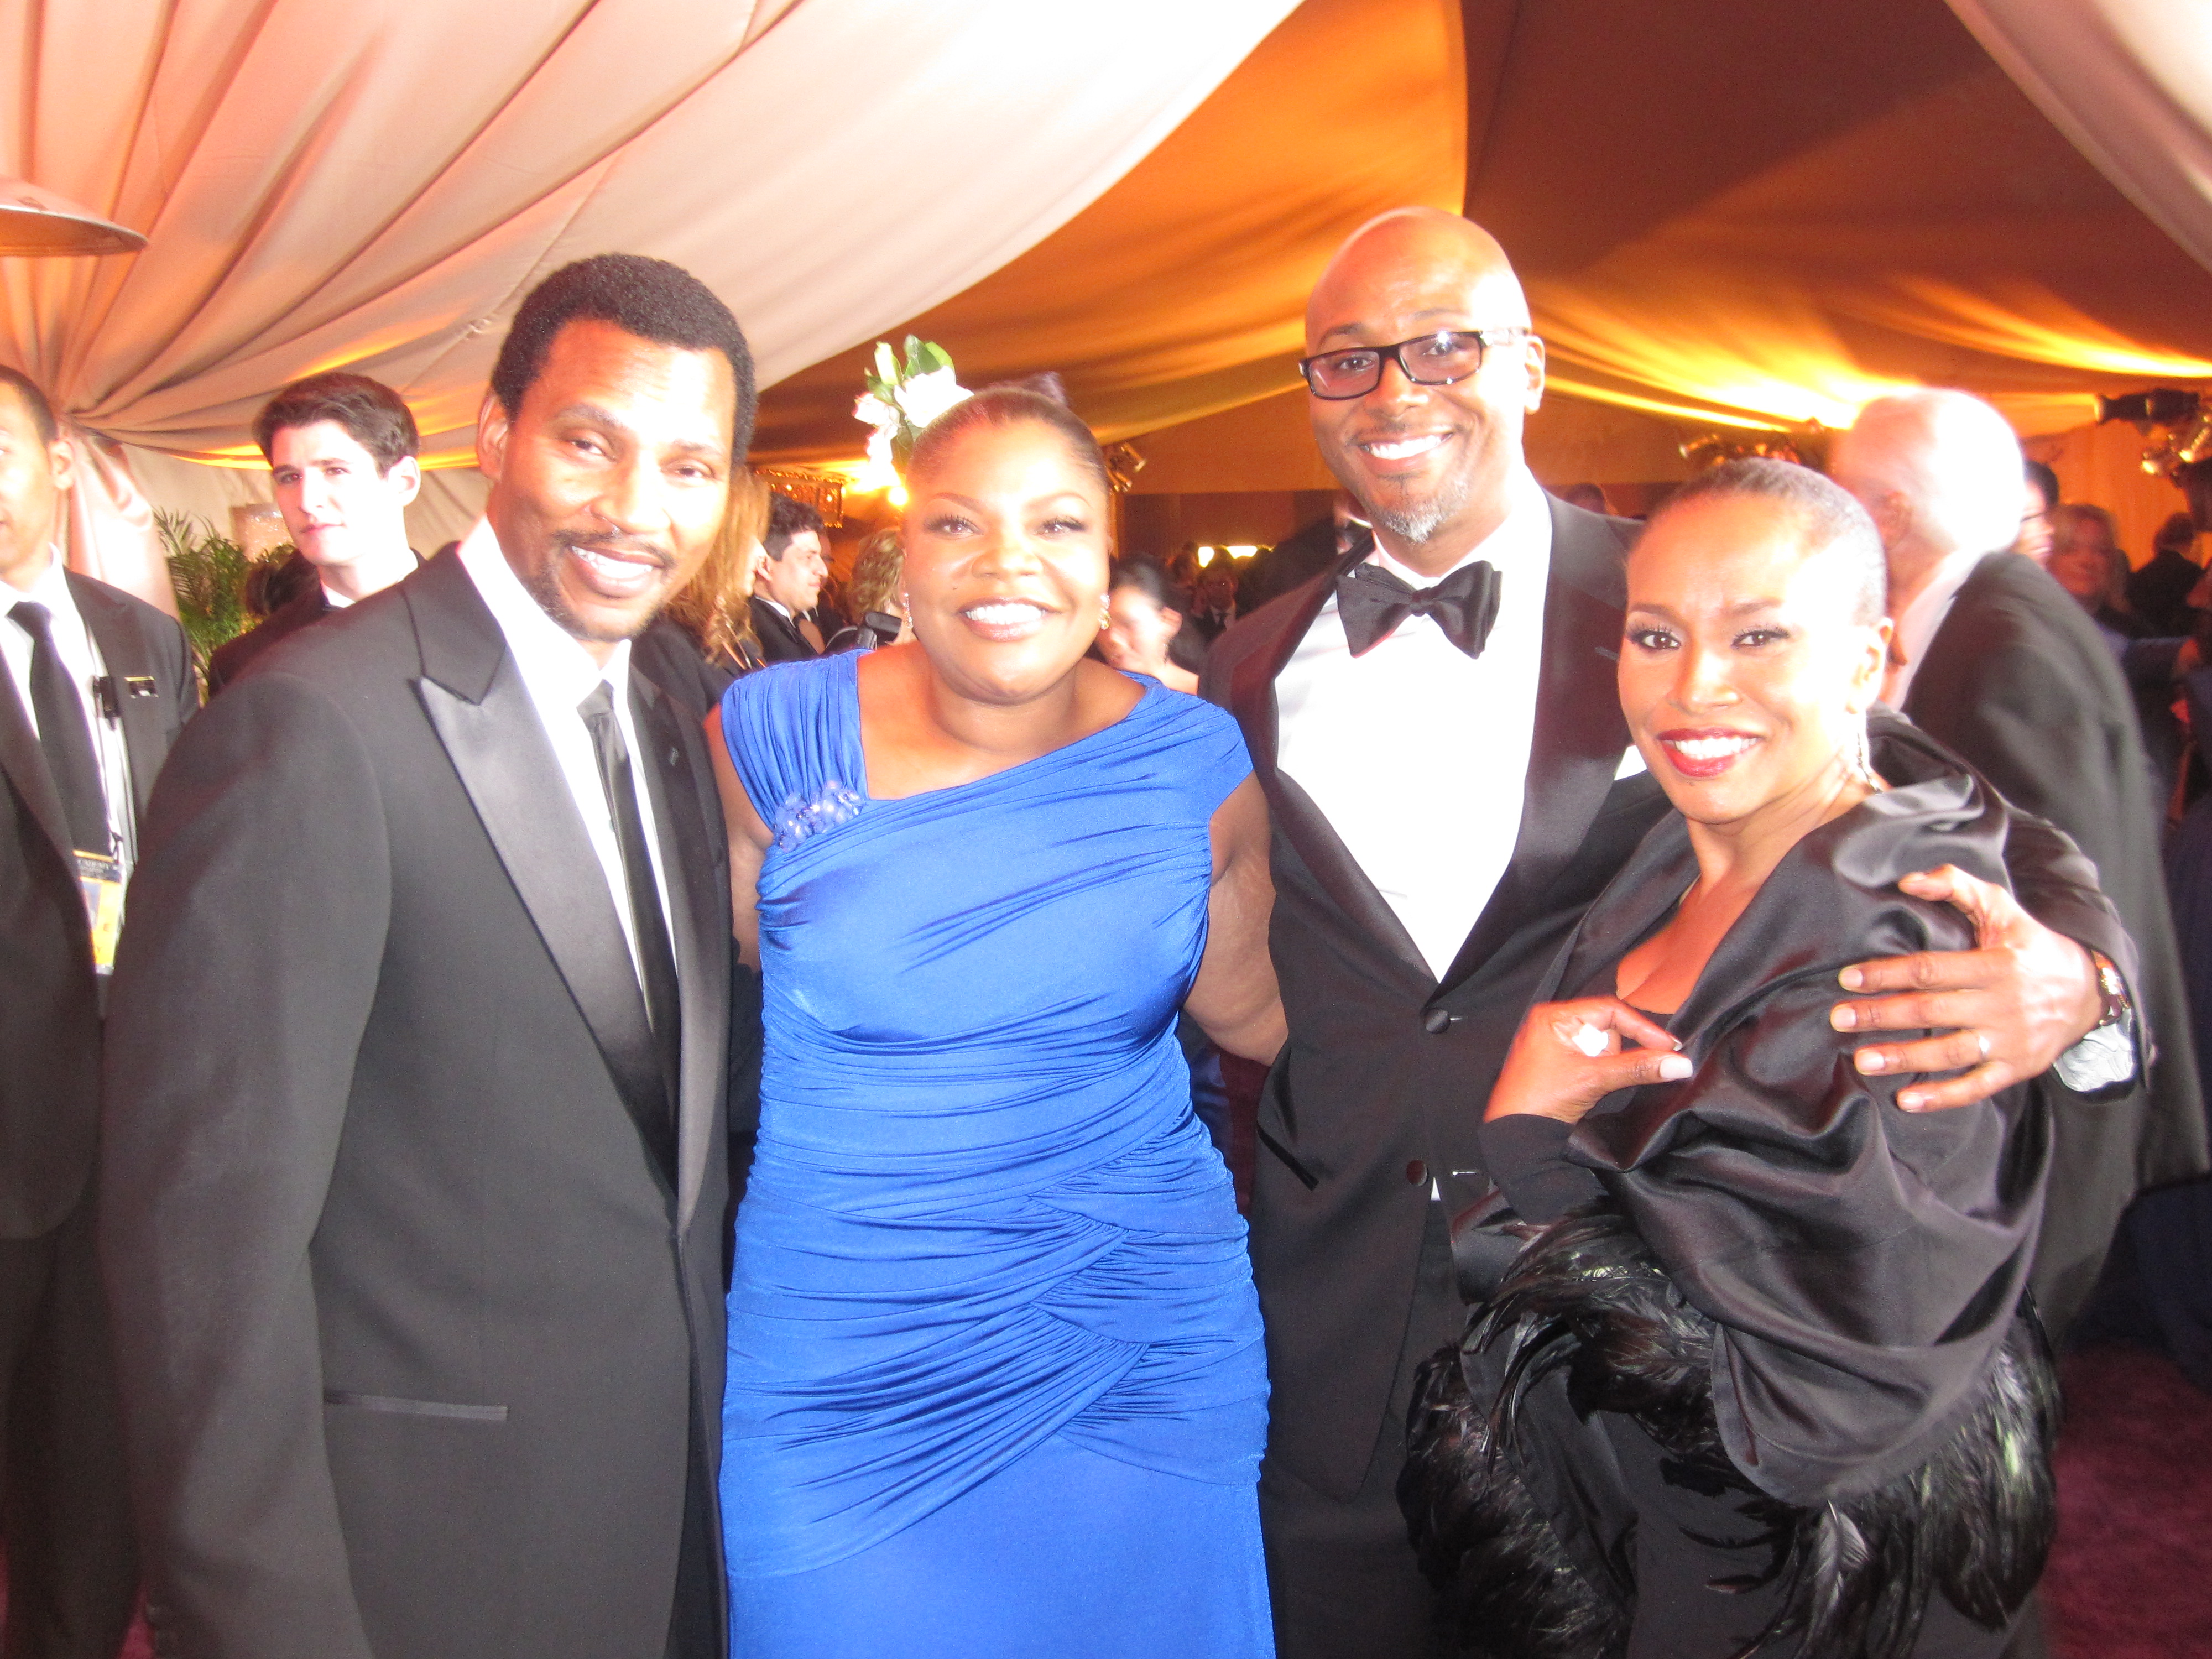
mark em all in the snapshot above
pixel 1436 1022
pixel 1416 1173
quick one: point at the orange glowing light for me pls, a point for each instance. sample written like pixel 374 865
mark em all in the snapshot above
pixel 1762 352
pixel 2027 321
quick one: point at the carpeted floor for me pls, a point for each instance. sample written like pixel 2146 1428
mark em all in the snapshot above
pixel 2131 1577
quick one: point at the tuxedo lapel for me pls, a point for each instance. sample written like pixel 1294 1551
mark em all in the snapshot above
pixel 1297 819
pixel 1580 734
pixel 25 765
pixel 699 926
pixel 123 653
pixel 482 713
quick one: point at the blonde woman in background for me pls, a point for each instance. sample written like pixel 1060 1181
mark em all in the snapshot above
pixel 703 638
pixel 873 595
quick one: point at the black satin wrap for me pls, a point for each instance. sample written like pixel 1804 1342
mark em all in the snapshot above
pixel 1862 1264
pixel 1763 1309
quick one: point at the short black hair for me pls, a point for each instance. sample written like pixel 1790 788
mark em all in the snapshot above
pixel 373 415
pixel 787 518
pixel 1829 516
pixel 650 298
pixel 2041 475
pixel 42 412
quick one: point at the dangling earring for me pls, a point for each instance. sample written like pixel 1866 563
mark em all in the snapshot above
pixel 1105 616
pixel 1867 776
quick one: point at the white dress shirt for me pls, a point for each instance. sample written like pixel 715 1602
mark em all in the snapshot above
pixel 559 674
pixel 1916 627
pixel 1417 753
pixel 80 659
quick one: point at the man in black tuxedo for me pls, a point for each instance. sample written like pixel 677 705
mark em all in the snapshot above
pixel 414 1174
pixel 97 688
pixel 1437 726
pixel 787 582
pixel 1997 660
pixel 341 453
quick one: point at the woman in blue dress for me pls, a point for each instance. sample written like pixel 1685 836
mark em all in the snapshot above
pixel 996 1385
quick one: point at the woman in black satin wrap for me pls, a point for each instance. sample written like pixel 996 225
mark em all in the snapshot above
pixel 1750 1371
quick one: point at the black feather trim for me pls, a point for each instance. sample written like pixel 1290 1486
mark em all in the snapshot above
pixel 1973 1522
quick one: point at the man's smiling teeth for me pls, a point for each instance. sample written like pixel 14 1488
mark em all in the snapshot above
pixel 1398 449
pixel 606 565
pixel 1708 749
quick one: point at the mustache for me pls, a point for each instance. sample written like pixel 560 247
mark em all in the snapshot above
pixel 632 546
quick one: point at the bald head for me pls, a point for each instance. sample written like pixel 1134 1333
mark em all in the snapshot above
pixel 1941 473
pixel 1419 254
pixel 1430 461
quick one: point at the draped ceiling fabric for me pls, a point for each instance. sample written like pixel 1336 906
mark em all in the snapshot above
pixel 2130 82
pixel 1729 215
pixel 1790 209
pixel 374 187
pixel 1181 290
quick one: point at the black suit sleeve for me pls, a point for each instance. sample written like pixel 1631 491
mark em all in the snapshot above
pixel 2021 706
pixel 173 653
pixel 2058 885
pixel 245 980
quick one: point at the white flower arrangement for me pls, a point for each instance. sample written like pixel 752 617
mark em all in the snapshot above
pixel 901 398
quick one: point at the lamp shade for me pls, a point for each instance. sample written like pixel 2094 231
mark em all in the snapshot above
pixel 35 222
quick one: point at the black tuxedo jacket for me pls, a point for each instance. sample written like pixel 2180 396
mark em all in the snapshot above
pixel 1381 1087
pixel 2018 681
pixel 420 1343
pixel 49 995
pixel 779 635
pixel 300 611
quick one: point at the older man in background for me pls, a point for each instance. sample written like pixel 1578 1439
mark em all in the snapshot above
pixel 1997 660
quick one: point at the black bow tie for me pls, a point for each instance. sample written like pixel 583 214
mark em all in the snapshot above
pixel 1371 602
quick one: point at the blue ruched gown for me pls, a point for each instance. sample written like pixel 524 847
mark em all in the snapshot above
pixel 996 1385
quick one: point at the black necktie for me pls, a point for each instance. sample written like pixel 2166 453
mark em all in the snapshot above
pixel 64 734
pixel 655 957
pixel 1371 602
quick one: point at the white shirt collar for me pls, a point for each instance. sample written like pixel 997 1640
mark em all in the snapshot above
pixel 555 667
pixel 777 605
pixel 336 601
pixel 1918 624
pixel 51 589
pixel 1522 540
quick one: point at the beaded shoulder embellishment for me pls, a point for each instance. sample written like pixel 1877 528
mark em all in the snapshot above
pixel 833 804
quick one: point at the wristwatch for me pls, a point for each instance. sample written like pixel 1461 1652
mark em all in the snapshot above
pixel 2105 1058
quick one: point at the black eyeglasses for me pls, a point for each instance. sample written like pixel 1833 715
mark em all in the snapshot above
pixel 1432 360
